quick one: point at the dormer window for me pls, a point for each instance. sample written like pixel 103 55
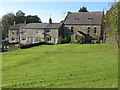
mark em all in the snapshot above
pixel 90 18
pixel 76 18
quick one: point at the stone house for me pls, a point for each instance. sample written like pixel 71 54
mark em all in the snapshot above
pixel 36 32
pixel 82 27
pixel 85 25
pixel 14 33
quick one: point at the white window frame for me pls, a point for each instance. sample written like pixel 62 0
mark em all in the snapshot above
pixel 48 39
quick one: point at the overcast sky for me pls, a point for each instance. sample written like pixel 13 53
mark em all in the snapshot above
pixel 57 10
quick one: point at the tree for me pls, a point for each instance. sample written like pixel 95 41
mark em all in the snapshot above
pixel 111 22
pixel 33 19
pixel 83 9
pixel 7 21
pixel 20 17
pixel 20 13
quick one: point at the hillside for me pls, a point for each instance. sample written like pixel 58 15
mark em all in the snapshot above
pixel 61 66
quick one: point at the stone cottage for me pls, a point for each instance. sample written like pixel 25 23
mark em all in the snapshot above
pixel 85 27
pixel 82 27
pixel 14 33
pixel 36 32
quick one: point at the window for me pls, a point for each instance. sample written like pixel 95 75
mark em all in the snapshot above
pixel 48 30
pixel 48 38
pixel 17 32
pixel 76 18
pixel 13 32
pixel 12 38
pixel 71 29
pixel 90 18
pixel 95 30
pixel 88 30
pixel 37 31
pixel 17 39
pixel 23 38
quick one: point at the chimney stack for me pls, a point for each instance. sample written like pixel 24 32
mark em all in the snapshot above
pixel 14 22
pixel 50 21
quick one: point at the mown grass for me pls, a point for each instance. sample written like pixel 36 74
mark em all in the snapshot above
pixel 62 66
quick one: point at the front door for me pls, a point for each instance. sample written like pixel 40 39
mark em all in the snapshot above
pixel 55 40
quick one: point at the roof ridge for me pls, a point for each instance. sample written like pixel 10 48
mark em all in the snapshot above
pixel 88 12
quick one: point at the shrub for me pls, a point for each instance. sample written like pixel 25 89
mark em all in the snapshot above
pixel 59 39
pixel 96 37
pixel 79 38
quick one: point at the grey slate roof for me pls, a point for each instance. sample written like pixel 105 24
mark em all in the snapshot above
pixel 41 26
pixel 82 18
pixel 16 27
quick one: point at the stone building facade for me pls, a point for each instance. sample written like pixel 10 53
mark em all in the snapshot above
pixel 35 32
pixel 14 33
pixel 82 27
pixel 40 32
pixel 87 25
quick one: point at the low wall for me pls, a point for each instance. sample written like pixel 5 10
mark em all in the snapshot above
pixel 111 39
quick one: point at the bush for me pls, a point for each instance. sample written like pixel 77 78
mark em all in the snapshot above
pixel 23 46
pixel 96 37
pixel 59 39
pixel 79 39
pixel 65 40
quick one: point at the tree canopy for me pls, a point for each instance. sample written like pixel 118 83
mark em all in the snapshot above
pixel 112 21
pixel 83 9
pixel 20 13
pixel 10 18
pixel 7 21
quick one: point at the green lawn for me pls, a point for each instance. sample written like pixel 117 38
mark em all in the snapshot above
pixel 62 66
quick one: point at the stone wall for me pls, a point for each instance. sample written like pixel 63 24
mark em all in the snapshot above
pixel 110 39
pixel 41 34
pixel 83 28
pixel 27 35
pixel 13 36
pixel 53 34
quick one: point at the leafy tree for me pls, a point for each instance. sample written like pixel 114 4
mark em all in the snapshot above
pixel 33 19
pixel 111 22
pixel 20 13
pixel 20 17
pixel 83 9
pixel 7 21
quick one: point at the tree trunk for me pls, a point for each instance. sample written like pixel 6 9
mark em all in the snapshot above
pixel 117 40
